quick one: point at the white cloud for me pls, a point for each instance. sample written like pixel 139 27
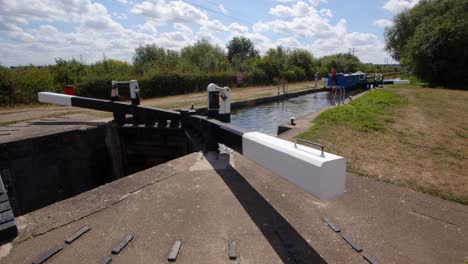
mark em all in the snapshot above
pixel 121 16
pixel 360 39
pixel 170 12
pixel 313 31
pixel 183 28
pixel 98 19
pixel 149 26
pixel 299 9
pixel 170 24
pixel 237 28
pixel 326 13
pixel 289 42
pixel 222 9
pixel 317 2
pixel 397 6
pixel 383 23
pixel 304 27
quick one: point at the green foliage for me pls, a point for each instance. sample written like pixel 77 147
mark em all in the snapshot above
pixel 343 62
pixel 67 72
pixel 6 87
pixel 164 72
pixel 22 85
pixel 431 40
pixel 240 51
pixel 368 113
pixel 257 76
pixel 288 75
pixel 299 73
pixel 110 69
pixel 279 57
pixel 97 79
pixel 164 84
pixel 304 60
pixel 203 57
pixel 152 56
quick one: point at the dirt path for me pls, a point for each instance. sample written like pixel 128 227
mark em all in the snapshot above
pixel 11 115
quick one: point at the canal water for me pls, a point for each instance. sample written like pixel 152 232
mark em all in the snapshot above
pixel 267 117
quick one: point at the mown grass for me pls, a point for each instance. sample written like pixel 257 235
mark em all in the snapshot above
pixel 409 137
pixel 368 113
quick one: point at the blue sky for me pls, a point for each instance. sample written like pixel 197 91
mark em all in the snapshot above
pixel 38 31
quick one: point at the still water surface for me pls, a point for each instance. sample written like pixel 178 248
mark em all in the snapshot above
pixel 267 117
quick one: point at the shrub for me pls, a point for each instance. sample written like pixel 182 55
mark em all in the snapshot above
pixel 299 73
pixel 6 87
pixel 289 75
pixel 257 76
pixel 20 86
pixel 163 84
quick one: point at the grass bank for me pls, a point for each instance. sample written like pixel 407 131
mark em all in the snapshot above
pixel 413 137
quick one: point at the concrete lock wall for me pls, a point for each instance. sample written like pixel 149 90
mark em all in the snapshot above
pixel 43 170
pixel 324 177
pixel 47 169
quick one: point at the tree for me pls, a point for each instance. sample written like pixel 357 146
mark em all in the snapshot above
pixel 275 61
pixel 151 56
pixel 240 50
pixel 304 60
pixel 67 72
pixel 431 40
pixel 204 57
pixel 343 62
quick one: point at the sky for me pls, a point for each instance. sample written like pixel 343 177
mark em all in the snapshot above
pixel 39 31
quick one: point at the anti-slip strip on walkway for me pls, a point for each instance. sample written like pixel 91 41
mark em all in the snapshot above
pixel 351 242
pixel 232 249
pixel 331 225
pixel 123 244
pixel 48 254
pixel 174 251
pixel 77 235
pixel 105 260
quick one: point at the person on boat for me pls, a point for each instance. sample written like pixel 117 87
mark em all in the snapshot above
pixel 333 75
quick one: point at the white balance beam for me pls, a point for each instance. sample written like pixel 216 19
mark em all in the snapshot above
pixel 322 176
pixel 55 98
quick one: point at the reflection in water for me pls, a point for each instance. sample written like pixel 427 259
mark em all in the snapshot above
pixel 267 117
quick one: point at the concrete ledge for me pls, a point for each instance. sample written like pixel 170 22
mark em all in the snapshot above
pixel 401 82
pixel 272 98
pixel 322 176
